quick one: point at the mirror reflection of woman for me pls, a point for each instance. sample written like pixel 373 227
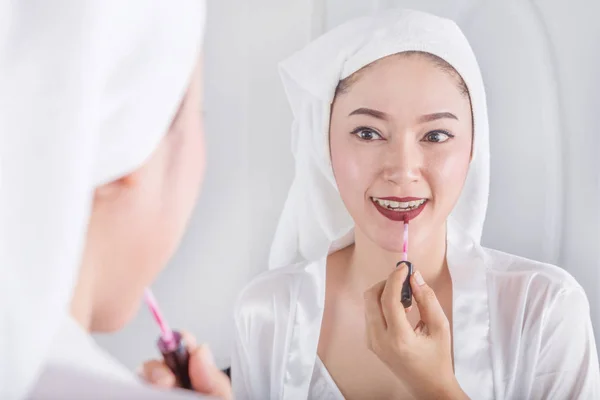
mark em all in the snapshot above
pixel 101 161
pixel 390 115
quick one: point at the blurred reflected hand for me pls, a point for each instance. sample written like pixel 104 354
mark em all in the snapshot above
pixel 206 377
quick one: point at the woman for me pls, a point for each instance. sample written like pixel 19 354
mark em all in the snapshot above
pixel 390 120
pixel 101 158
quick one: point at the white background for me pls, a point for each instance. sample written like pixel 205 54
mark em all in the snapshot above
pixel 541 65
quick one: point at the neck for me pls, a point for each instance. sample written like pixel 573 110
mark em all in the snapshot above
pixel 369 263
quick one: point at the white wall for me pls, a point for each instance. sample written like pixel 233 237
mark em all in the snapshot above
pixel 574 33
pixel 539 61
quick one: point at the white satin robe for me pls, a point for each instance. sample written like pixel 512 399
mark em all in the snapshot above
pixel 521 330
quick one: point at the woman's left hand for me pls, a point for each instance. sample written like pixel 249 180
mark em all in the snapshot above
pixel 206 378
pixel 422 357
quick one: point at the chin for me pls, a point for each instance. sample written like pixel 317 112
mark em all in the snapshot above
pixel 390 244
pixel 383 238
pixel 391 239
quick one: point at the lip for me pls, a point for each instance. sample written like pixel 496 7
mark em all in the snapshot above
pixel 400 215
pixel 401 199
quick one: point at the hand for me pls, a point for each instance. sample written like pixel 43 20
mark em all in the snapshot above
pixel 206 378
pixel 420 358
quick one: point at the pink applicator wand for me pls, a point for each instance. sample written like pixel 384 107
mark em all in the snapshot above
pixel 170 344
pixel 406 293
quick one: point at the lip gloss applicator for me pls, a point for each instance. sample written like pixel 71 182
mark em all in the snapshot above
pixel 170 344
pixel 406 293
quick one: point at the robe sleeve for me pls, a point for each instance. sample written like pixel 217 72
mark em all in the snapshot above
pixel 240 365
pixel 567 366
pixel 254 336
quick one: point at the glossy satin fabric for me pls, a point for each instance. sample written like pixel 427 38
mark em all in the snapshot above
pixel 322 385
pixel 521 330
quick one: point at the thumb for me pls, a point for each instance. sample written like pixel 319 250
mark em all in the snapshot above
pixel 206 377
pixel 430 308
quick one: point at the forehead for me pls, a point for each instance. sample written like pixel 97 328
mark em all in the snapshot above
pixel 401 84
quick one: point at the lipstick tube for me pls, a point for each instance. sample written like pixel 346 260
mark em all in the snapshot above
pixel 406 293
pixel 177 358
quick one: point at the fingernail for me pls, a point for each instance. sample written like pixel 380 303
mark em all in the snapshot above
pixel 419 279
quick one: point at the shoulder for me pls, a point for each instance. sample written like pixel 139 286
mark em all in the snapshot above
pixel 533 294
pixel 271 295
pixel 541 327
pixel 265 314
pixel 271 285
pixel 278 280
pixel 508 270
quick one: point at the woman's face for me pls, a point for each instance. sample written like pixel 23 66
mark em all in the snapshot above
pixel 400 137
pixel 138 221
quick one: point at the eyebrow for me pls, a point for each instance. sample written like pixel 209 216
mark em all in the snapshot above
pixel 370 112
pixel 436 116
pixel 381 115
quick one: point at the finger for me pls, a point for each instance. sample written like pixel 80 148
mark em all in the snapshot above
pixel 393 310
pixel 158 374
pixel 222 388
pixel 421 329
pixel 430 308
pixel 206 377
pixel 201 362
pixel 189 340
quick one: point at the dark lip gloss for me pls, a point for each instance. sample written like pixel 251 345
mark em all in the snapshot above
pixel 406 293
pixel 177 358
pixel 171 345
pixel 400 215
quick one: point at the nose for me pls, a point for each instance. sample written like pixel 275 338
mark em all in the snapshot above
pixel 403 162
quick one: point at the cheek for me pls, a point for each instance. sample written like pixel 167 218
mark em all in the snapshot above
pixel 354 170
pixel 149 224
pixel 166 204
pixel 446 174
pixel 183 181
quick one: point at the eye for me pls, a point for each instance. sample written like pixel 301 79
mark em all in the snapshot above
pixel 366 134
pixel 439 136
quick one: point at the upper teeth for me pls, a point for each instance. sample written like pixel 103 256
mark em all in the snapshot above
pixel 399 204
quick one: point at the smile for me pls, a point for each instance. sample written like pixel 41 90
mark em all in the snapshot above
pixel 399 209
pixel 399 205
